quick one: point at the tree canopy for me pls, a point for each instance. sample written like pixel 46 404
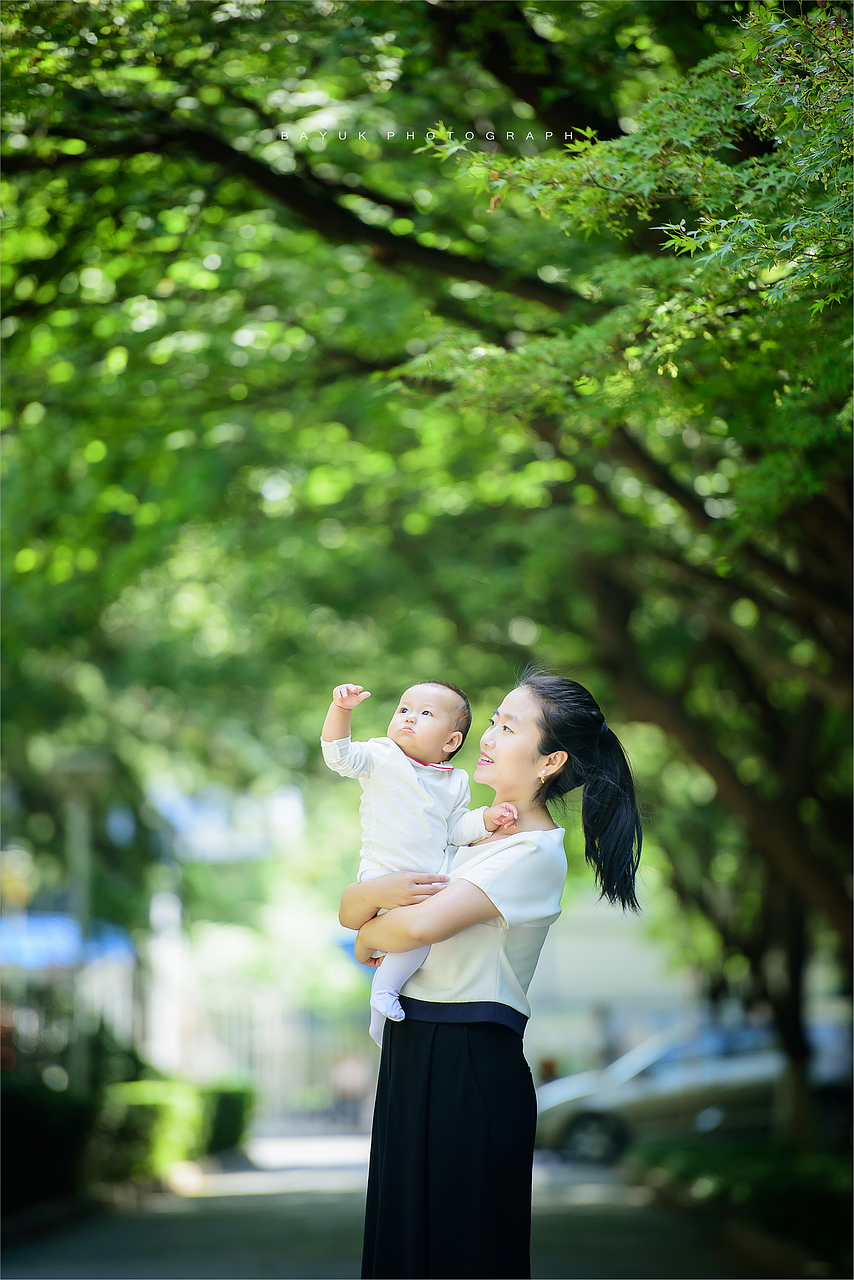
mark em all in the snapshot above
pixel 285 411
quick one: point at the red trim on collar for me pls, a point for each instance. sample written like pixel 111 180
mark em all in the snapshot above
pixel 428 765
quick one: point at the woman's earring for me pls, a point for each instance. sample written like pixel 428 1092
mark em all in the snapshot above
pixel 543 778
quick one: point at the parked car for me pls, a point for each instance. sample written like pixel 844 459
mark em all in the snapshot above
pixel 684 1081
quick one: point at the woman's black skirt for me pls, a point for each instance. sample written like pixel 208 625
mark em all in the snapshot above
pixel 449 1191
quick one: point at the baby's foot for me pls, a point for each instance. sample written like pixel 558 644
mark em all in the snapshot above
pixel 387 1004
pixel 378 1021
pixel 384 1004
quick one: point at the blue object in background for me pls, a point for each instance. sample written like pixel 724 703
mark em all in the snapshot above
pixel 348 946
pixel 50 940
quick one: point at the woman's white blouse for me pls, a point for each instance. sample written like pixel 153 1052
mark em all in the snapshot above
pixel 523 876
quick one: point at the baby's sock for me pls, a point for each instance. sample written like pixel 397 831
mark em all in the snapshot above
pixel 378 1020
pixel 396 969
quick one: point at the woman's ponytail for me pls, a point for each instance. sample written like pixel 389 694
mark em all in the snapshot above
pixel 572 721
pixel 613 836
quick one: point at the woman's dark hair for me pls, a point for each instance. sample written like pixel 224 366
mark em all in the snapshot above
pixel 571 720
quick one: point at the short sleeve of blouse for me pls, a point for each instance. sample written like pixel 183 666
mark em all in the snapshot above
pixel 523 878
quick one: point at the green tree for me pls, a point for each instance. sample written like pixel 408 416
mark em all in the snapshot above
pixel 281 406
pixel 775 228
pixel 775 536
pixel 169 253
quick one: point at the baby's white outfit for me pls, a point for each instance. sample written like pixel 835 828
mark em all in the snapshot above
pixel 414 816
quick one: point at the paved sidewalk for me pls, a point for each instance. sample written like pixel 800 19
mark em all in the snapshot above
pixel 294 1212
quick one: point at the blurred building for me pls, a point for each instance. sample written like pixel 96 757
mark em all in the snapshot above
pixel 281 1004
pixel 601 987
pixel 228 1002
pixel 61 988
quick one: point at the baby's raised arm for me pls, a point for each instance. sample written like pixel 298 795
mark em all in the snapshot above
pixel 344 698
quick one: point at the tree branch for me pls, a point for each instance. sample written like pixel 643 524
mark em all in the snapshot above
pixel 839 694
pixel 831 530
pixel 774 828
pixel 314 206
pixel 739 641
pixel 734 588
pixel 505 44
pixel 629 451
pixel 721 922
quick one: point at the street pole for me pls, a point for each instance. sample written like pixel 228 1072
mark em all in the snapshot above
pixel 78 777
pixel 78 852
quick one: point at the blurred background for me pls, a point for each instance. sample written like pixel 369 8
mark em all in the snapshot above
pixel 348 404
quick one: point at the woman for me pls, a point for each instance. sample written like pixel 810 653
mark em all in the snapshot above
pixel 449 1192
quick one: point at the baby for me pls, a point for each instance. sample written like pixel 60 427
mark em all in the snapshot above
pixel 414 807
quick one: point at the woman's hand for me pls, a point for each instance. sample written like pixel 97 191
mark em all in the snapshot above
pixel 365 954
pixel 403 928
pixel 406 888
pixel 361 902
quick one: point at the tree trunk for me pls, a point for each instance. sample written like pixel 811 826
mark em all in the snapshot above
pixel 783 970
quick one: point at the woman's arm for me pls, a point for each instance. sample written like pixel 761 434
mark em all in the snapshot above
pixel 361 902
pixel 456 908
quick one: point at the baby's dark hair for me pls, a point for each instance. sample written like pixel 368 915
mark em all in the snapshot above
pixel 571 720
pixel 463 723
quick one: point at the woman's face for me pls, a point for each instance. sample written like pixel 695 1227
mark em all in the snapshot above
pixel 510 757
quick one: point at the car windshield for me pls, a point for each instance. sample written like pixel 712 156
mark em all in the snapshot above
pixel 716 1042
pixel 666 1051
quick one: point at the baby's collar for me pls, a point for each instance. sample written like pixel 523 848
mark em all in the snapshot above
pixel 446 768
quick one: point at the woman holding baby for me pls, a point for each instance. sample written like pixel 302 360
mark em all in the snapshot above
pixel 449 1193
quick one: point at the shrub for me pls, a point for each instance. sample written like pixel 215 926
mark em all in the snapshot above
pixel 44 1134
pixel 229 1110
pixel 800 1196
pixel 144 1127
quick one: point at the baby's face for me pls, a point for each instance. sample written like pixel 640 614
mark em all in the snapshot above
pixel 424 725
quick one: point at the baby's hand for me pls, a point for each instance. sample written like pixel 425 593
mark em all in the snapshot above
pixel 348 696
pixel 501 815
